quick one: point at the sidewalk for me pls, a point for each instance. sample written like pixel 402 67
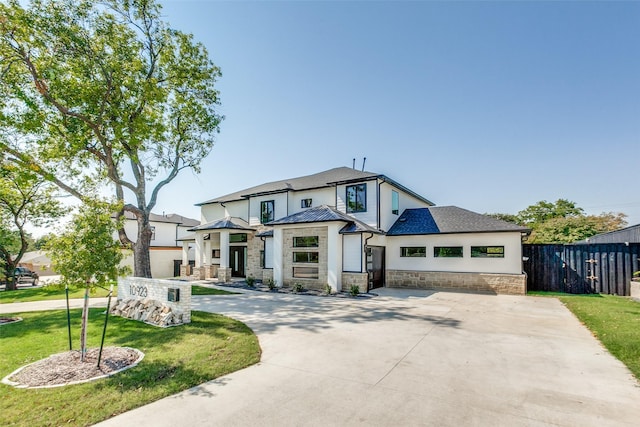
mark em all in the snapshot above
pixel 60 304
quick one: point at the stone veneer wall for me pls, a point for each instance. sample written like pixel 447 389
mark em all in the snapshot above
pixel 140 288
pixel 360 279
pixel 254 246
pixel 287 253
pixel 512 284
pixel 267 273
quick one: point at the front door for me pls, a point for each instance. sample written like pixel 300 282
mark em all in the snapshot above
pixel 237 260
pixel 375 266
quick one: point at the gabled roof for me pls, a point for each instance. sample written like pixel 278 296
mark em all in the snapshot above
pixel 329 178
pixel 228 223
pixel 448 219
pixel 169 218
pixel 325 213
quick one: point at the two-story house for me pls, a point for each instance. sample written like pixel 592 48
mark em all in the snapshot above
pixel 346 227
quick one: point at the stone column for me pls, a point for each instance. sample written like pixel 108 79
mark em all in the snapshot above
pixel 334 257
pixel 278 273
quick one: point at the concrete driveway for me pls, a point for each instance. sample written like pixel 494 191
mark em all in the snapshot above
pixel 407 358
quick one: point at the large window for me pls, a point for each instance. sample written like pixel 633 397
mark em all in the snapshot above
pixel 266 211
pixel 357 198
pixel 238 238
pixel 447 251
pixel 413 251
pixel 395 202
pixel 487 251
pixel 305 242
pixel 305 272
pixel 305 257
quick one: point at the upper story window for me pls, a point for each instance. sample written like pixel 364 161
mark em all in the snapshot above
pixel 356 198
pixel 153 232
pixel 267 209
pixel 306 203
pixel 395 202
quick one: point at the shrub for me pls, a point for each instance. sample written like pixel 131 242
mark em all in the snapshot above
pixel 297 287
pixel 251 281
pixel 271 284
pixel 354 290
pixel 327 289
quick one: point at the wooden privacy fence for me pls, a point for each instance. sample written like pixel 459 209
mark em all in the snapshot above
pixel 581 269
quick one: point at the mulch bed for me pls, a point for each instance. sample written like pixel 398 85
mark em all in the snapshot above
pixel 261 287
pixel 64 368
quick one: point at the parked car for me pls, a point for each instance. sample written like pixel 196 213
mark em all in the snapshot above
pixel 24 275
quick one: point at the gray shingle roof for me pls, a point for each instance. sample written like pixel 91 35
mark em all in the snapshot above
pixel 325 213
pixel 327 178
pixel 448 219
pixel 225 223
pixel 169 218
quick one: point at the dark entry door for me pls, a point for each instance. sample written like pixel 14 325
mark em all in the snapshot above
pixel 237 260
pixel 375 266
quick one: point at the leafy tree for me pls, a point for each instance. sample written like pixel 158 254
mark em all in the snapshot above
pixel 87 255
pixel 105 93
pixel 575 228
pixel 562 222
pixel 544 211
pixel 25 199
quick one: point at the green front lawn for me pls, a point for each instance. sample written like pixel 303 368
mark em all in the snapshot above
pixel 54 292
pixel 176 359
pixel 614 320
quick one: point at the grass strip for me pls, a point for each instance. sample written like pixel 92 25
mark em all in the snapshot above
pixel 176 359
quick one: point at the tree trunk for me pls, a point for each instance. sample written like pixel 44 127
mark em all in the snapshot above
pixel 10 276
pixel 85 320
pixel 141 259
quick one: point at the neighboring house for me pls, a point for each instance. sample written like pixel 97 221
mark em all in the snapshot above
pixel 346 227
pixel 629 234
pixel 165 250
pixel 37 261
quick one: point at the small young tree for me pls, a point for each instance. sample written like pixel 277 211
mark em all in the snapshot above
pixel 86 254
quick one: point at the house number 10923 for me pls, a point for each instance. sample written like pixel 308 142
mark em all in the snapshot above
pixel 140 291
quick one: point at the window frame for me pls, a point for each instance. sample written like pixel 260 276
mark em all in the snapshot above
pixel 267 216
pixel 295 241
pixel 475 251
pixel 438 254
pixel 404 252
pixel 358 188
pixel 312 257
pixel 395 202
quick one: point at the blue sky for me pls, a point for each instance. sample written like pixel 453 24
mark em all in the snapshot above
pixel 490 106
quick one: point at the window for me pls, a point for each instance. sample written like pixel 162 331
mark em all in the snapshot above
pixel 153 232
pixel 238 238
pixel 357 198
pixel 262 257
pixel 266 211
pixel 305 242
pixel 487 251
pixel 215 253
pixel 447 252
pixel 305 272
pixel 305 203
pixel 305 257
pixel 413 251
pixel 395 202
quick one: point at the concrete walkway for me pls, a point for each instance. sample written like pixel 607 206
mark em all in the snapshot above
pixel 18 307
pixel 404 359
